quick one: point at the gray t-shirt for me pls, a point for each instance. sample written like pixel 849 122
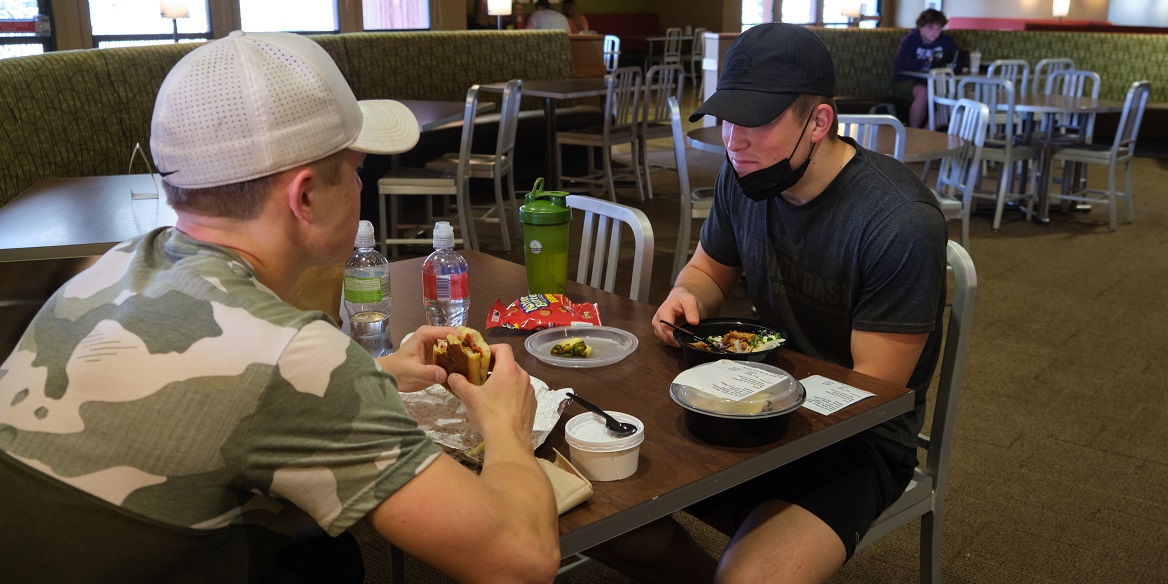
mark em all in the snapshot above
pixel 166 396
pixel 866 254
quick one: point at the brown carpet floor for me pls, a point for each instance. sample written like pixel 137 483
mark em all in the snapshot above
pixel 1059 469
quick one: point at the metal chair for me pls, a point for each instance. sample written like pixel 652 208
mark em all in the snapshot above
pixel 865 130
pixel 1004 144
pixel 1043 70
pixel 661 83
pixel 1072 127
pixel 942 91
pixel 942 86
pixel 497 165
pixel 621 108
pixel 672 54
pixel 403 182
pixel 611 52
pixel 694 60
pixel 600 249
pixel 1016 70
pixel 1120 151
pixel 958 174
pixel 924 497
pixel 695 203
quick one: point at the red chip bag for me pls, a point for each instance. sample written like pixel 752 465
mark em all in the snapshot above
pixel 540 311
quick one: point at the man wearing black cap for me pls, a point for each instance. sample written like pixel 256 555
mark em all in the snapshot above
pixel 842 248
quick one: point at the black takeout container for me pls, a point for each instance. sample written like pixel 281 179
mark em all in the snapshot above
pixel 720 326
pixel 719 421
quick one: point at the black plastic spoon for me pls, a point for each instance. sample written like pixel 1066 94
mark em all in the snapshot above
pixel 713 348
pixel 615 427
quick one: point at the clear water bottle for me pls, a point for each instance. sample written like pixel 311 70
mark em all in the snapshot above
pixel 366 295
pixel 445 283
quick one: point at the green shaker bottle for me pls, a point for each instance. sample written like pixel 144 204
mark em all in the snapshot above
pixel 545 217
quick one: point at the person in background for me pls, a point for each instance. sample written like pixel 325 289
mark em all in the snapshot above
pixel 518 17
pixel 844 249
pixel 479 19
pixel 544 18
pixel 577 23
pixel 169 417
pixel 917 50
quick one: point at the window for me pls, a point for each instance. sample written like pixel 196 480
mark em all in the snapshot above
pixel 799 11
pixel 277 15
pixel 815 12
pixel 16 40
pixel 118 23
pixel 756 12
pixel 395 14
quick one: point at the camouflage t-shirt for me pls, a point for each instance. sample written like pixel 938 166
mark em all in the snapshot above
pixel 169 385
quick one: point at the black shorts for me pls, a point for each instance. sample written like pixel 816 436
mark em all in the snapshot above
pixel 904 88
pixel 846 485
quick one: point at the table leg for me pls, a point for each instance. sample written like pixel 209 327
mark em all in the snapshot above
pixel 1044 169
pixel 551 177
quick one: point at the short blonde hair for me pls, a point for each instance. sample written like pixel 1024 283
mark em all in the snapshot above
pixel 245 199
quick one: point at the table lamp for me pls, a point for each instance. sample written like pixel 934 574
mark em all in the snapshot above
pixel 852 10
pixel 499 9
pixel 174 10
pixel 1061 8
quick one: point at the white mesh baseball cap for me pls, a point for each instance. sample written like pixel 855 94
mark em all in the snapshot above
pixel 251 105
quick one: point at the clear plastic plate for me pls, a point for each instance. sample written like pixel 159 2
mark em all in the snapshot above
pixel 609 345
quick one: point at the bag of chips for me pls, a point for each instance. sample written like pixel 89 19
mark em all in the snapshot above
pixel 539 311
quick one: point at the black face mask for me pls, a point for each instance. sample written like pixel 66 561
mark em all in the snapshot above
pixel 771 181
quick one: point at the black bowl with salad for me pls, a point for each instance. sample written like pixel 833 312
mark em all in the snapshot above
pixel 728 338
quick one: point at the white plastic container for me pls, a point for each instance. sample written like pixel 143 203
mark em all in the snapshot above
pixel 598 455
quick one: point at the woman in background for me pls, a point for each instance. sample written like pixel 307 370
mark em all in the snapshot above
pixel 916 53
pixel 577 23
pixel 479 19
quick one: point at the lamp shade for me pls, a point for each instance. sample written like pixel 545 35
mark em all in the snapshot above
pixel 851 8
pixel 175 9
pixel 1061 8
pixel 499 7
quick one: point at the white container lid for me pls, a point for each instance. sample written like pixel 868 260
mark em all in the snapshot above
pixel 587 432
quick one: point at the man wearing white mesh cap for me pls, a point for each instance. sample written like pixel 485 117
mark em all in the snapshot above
pixel 169 417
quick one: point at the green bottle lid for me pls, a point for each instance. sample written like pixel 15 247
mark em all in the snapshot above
pixel 542 207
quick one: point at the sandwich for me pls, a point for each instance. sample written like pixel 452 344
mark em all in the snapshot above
pixel 465 353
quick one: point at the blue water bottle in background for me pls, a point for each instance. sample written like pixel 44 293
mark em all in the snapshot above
pixel 445 282
pixel 366 294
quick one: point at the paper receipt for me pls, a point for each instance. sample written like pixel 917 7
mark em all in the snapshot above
pixel 732 380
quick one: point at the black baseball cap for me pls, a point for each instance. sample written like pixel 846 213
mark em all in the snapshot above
pixel 765 69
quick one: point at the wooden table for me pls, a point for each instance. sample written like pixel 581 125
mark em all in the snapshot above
pixel 434 114
pixel 79 216
pixel 86 215
pixel 552 90
pixel 920 144
pixel 675 470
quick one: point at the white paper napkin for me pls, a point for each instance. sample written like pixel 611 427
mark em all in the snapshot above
pixel 443 417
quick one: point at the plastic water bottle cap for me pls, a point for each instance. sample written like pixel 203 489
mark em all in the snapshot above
pixel 443 235
pixel 364 234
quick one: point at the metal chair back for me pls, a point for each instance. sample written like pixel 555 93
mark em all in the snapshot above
pixel 865 130
pixel 924 498
pixel 1043 70
pixel 611 52
pixel 695 203
pixel 1073 83
pixel 958 175
pixel 672 46
pixel 600 245
pixel 942 86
